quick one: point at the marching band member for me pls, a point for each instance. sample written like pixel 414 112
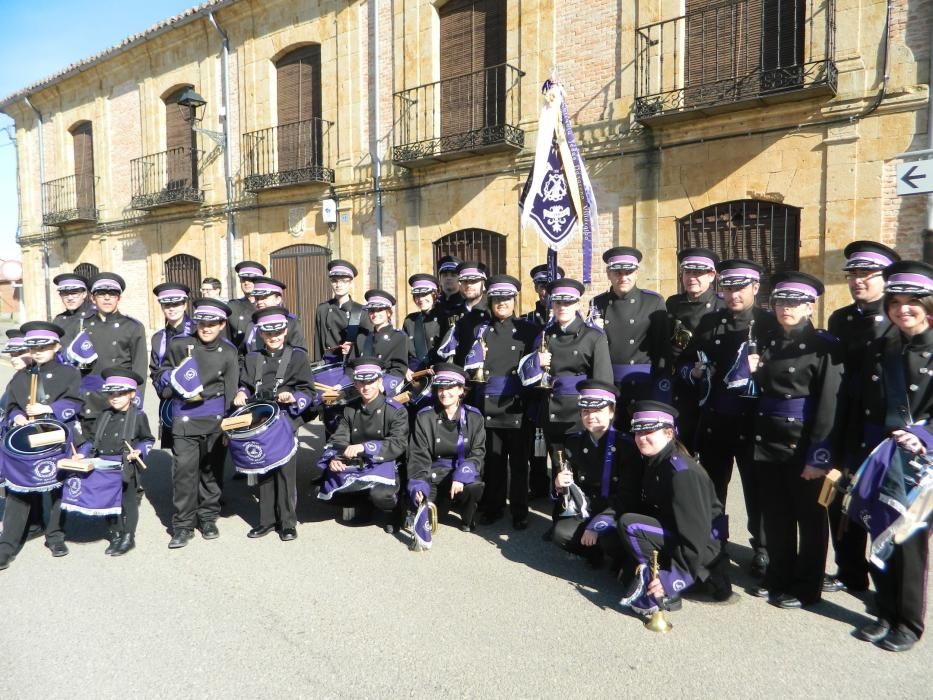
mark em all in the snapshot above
pixel 498 393
pixel 17 349
pixel 637 328
pixel 121 423
pixel 470 315
pixel 670 506
pixel 173 300
pixel 58 396
pixel 540 276
pixel 338 320
pixel 73 291
pixel 241 308
pixel 424 327
pixel 268 294
pixel 856 326
pixel 574 352
pixel 202 386
pixel 117 341
pixel 896 401
pixel 796 427
pixel 359 465
pixel 697 274
pixel 450 299
pixel 587 492
pixel 277 372
pixel 448 449
pixel 716 364
pixel 382 340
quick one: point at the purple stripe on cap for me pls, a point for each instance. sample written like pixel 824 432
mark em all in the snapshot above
pixel 250 272
pixel 502 289
pixel 472 272
pixel 907 278
pixel 211 311
pixel 447 267
pixel 448 376
pixel 598 394
pixel 796 287
pixel 541 277
pixel 361 370
pixel 741 272
pixel 105 284
pixel 565 292
pixel 127 382
pixel 172 294
pixel 267 287
pixel 19 340
pixel 378 302
pixel 623 260
pixel 273 320
pixel 40 335
pixel 698 260
pixel 652 417
pixel 340 271
pixel 72 284
pixel 873 258
pixel 422 286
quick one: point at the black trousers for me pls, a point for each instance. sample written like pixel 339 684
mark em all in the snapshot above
pixel 467 501
pixel 506 470
pixel 568 532
pixel 384 497
pixel 196 495
pixel 849 543
pixel 16 516
pixel 724 440
pixel 278 496
pixel 901 587
pixel 128 519
pixel 796 529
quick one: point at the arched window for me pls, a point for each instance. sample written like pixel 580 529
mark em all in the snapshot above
pixel 474 244
pixel 765 232
pixel 184 269
pixel 82 139
pixel 298 101
pixel 86 270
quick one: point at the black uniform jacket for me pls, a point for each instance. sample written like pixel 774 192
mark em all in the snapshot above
pixel 637 327
pixel 388 344
pixel 159 348
pixel 70 321
pixel 434 438
pixel 452 304
pixel 424 331
pixel 219 369
pixel 598 477
pixel 380 426
pixel 332 325
pixel 114 432
pixel 58 387
pixel 294 336
pixel 465 322
pixel 297 379
pixel 119 341
pixel 241 315
pixel 689 312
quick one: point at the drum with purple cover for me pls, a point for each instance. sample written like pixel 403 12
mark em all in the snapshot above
pixel 266 443
pixel 97 492
pixel 335 375
pixel 28 469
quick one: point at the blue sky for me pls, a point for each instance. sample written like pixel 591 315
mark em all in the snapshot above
pixel 39 38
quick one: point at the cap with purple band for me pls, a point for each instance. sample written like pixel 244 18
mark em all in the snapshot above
pixel 909 277
pixel 39 333
pixel 504 286
pixel 700 259
pixel 796 286
pixel 340 271
pixel 448 374
pixel 378 299
pixel 423 287
pixel 737 273
pixel 15 342
pixel 622 258
pixel 171 293
pixel 275 321
pixel 366 371
pixel 648 416
pixel 264 286
pixel 247 269
pixel 210 310
pixel 595 394
pixel 471 271
pixel 116 384
pixel 70 282
pixel 868 255
pixel 108 281
pixel 448 263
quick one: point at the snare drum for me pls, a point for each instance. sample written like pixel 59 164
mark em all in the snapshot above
pixel 30 469
pixel 266 443
pixel 335 375
pixel 97 492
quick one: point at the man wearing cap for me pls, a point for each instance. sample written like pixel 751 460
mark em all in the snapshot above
pixel 426 326
pixel 541 275
pixel 469 316
pixel 338 320
pixel 857 326
pixel 358 468
pixel 241 308
pixel 277 373
pixel 57 397
pixel 450 299
pixel 587 486
pixel 204 371
pixel 637 327
pixel 173 300
pixel 382 340
pixel 716 364
pixel 492 364
pixel 697 274
pixel 268 293
pixel 73 291
pixel 117 341
pixel 567 352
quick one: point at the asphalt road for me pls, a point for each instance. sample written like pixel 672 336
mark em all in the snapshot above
pixel 349 612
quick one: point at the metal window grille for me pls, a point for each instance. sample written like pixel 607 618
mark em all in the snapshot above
pixel 86 270
pixel 477 244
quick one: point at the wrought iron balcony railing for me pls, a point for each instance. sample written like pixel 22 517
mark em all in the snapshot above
pixel 166 178
pixel 473 113
pixel 736 51
pixel 69 200
pixel 287 154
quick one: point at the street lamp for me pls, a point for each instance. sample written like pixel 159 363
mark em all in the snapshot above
pixel 192 105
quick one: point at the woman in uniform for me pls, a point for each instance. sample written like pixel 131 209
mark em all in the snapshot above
pixel 384 341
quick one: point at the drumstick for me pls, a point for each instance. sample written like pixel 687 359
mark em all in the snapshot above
pixel 138 460
pixel 33 390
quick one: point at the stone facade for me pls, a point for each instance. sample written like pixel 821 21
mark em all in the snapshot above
pixel 832 156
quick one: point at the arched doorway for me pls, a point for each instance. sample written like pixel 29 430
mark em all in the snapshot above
pixel 477 244
pixel 303 268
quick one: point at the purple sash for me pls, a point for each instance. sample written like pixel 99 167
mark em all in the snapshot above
pixel 259 451
pixel 92 382
pixel 498 385
pixel 356 479
pixel 98 492
pixel 798 409
pixel 211 408
pixel 566 384
pixel 639 373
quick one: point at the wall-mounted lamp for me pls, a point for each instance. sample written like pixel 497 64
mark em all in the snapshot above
pixel 329 213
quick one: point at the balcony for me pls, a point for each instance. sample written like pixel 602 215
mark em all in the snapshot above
pixel 459 117
pixel 286 155
pixel 69 200
pixel 166 179
pixel 734 54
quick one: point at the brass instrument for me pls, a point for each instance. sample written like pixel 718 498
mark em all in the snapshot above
pixel 481 374
pixel 657 622
pixel 595 316
pixel 432 517
pixel 681 336
pixel 547 381
pixel 569 509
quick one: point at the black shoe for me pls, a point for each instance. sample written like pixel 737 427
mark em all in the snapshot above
pixel 58 549
pixel 786 601
pixel 490 517
pixel 832 584
pixel 759 592
pixel 5 559
pixel 258 532
pixel 672 603
pixel 759 564
pixel 209 530
pixel 520 523
pixel 127 542
pixel 468 527
pixel 181 537
pixel 33 532
pixel 720 586
pixel 898 640
pixel 288 534
pixel 874 632
pixel 114 543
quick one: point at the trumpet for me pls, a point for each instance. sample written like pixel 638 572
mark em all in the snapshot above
pixel 569 509
pixel 547 381
pixel 681 336
pixel 595 316
pixel 481 374
pixel 657 622
pixel 432 517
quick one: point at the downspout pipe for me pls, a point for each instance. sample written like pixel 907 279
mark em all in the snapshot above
pixel 374 139
pixel 228 164
pixel 45 233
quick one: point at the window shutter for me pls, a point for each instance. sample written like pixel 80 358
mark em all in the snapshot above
pixel 180 164
pixel 83 144
pixel 298 101
pixel 783 40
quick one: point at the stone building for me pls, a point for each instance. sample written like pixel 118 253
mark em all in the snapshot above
pixel 766 128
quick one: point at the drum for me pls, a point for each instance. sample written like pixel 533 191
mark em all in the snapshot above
pixel 28 469
pixel 266 443
pixel 416 391
pixel 97 492
pixel 166 413
pixel 335 375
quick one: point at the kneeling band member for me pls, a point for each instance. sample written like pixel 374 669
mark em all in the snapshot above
pixel 671 508
pixel 278 373
pixel 587 487
pixel 448 449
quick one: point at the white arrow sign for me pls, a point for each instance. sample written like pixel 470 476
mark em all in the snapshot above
pixel 915 178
